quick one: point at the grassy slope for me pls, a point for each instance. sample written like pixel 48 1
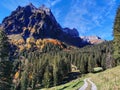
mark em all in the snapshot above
pixel 73 85
pixel 107 80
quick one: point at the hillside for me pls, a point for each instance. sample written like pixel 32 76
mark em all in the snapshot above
pixel 107 80
pixel 33 44
pixel 52 66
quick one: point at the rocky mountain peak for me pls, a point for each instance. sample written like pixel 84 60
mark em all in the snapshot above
pixel 38 23
pixel 31 21
pixel 30 7
pixel 92 39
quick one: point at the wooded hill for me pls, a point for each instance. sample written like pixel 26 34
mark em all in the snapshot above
pixel 49 68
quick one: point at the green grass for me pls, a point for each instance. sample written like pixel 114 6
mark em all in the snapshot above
pixel 107 80
pixel 73 85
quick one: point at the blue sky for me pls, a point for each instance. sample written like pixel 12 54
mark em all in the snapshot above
pixel 89 17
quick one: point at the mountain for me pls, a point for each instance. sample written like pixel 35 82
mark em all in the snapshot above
pixel 72 32
pixel 31 21
pixel 92 39
pixel 37 23
pixel 34 23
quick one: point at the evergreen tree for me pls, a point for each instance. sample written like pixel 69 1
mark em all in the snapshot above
pixel 5 64
pixel 55 70
pixel 4 46
pixel 90 64
pixel 24 76
pixel 47 76
pixel 116 43
pixel 24 80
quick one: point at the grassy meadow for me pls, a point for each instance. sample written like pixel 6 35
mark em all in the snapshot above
pixel 73 85
pixel 107 80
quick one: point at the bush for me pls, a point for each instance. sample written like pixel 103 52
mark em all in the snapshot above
pixel 97 69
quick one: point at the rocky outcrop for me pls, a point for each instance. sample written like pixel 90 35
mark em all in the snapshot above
pixel 92 39
pixel 31 21
pixel 72 32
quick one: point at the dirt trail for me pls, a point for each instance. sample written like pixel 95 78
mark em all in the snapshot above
pixel 93 86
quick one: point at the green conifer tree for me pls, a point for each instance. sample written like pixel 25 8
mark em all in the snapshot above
pixel 4 46
pixel 47 77
pixel 116 33
pixel 5 64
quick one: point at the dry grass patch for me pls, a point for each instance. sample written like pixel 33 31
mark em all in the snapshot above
pixel 107 80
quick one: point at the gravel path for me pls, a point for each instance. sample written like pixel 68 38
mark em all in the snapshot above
pixel 94 87
pixel 86 84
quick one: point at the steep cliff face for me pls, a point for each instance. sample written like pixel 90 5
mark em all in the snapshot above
pixel 31 21
pixel 38 23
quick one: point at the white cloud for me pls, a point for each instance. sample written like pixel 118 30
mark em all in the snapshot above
pixel 53 2
pixel 86 15
pixel 77 16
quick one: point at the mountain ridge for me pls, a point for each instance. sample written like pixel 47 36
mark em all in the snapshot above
pixel 39 23
pixel 92 39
